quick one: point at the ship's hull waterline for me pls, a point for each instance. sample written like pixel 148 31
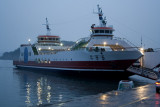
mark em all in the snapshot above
pixel 120 65
pixel 111 61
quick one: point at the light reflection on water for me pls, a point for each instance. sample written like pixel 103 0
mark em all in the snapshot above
pixel 20 88
pixel 43 92
pixel 27 88
pixel 38 89
pixel 42 89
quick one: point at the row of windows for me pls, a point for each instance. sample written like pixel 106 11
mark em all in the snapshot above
pixel 54 39
pixel 43 61
pixel 56 44
pixel 48 61
pixel 102 31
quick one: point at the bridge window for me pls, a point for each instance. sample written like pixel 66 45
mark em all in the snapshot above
pixel 101 31
pixel 106 31
pixel 96 31
pixel 111 31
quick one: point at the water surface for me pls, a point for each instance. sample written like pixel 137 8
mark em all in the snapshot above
pixel 19 88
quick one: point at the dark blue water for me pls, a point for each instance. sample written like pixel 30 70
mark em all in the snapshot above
pixel 19 88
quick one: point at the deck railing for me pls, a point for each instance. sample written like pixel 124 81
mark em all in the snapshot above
pixel 127 41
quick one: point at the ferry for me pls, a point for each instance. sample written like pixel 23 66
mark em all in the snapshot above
pixel 101 51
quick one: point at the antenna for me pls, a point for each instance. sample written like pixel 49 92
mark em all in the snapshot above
pixel 47 27
pixel 141 41
pixel 102 21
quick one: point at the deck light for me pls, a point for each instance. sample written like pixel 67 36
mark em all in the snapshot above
pixel 29 40
pixel 104 43
pixel 142 51
pixel 61 44
pixel 39 49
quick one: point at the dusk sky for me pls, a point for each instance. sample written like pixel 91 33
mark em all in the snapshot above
pixel 71 20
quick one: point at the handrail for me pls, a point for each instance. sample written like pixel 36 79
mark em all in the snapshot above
pixel 126 40
pixel 102 49
pixel 81 40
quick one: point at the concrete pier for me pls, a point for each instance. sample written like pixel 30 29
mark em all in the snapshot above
pixel 144 96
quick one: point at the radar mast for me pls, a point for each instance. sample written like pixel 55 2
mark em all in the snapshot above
pixel 47 27
pixel 102 20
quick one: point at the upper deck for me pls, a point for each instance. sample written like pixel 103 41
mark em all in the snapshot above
pixel 102 31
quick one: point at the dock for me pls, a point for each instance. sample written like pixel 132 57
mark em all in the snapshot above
pixel 144 96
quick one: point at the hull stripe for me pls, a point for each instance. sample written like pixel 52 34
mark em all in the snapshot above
pixel 80 65
pixel 68 69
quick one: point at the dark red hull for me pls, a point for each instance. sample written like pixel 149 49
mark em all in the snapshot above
pixel 79 65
